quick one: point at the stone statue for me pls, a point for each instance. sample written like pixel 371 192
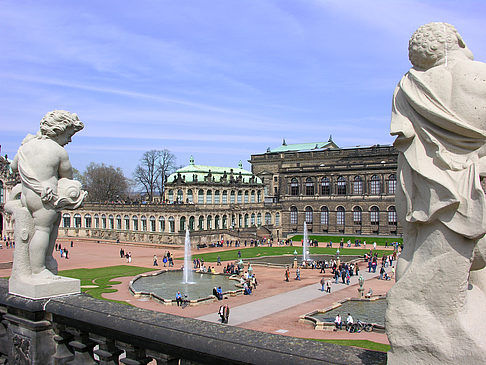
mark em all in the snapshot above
pixel 436 310
pixel 46 188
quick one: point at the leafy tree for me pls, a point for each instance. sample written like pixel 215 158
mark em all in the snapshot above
pixel 105 183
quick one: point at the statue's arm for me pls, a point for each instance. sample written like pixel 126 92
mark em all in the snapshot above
pixel 65 168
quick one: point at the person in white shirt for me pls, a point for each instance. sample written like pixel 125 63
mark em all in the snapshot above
pixel 338 322
pixel 349 321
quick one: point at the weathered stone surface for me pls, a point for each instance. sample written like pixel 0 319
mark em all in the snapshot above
pixel 436 309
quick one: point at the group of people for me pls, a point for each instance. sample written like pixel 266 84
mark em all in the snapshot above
pixel 345 271
pixel 339 322
pixel 126 255
pixel 8 243
pixel 63 251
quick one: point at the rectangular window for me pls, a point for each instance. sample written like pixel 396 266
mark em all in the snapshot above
pixel 216 197
pixel 324 218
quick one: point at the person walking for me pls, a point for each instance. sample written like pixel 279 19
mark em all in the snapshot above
pixel 323 283
pixel 287 274
pixel 155 261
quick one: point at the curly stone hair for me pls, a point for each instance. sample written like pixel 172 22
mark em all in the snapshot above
pixel 430 43
pixel 57 121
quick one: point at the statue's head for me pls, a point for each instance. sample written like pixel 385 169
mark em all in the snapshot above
pixel 431 44
pixel 60 122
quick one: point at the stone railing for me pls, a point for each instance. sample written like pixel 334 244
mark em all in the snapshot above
pixel 78 329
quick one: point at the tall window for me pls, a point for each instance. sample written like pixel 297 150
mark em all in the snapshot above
pixel 180 196
pixel 200 224
pixel 200 197
pixel 118 222
pixel 358 185
pixel 152 224
pixel 324 216
pixel 2 192
pixel 325 186
pixel 161 224
pixel 103 221
pixel 268 218
pixel 77 220
pixel 182 224
pixel 87 221
pixel 127 222
pixel 309 186
pixel 294 215
pixel 259 196
pixel 259 219
pixel 216 222
pixel 135 223
pixel 308 215
pixel 171 196
pixel 392 216
pixel 277 219
pixel 209 197
pixel 240 197
pixel 246 220
pixel 190 198
pixel 375 185
pixel 252 219
pixel 341 185
pixel 340 216
pixel 97 221
pixel 375 215
pixel 225 221
pixel 171 224
pixel 225 197
pixel 191 223
pixel 144 223
pixel 216 197
pixel 111 222
pixel 294 187
pixel 357 215
pixel 253 196
pixel 66 220
pixel 392 184
pixel 209 222
pixel 246 196
pixel 232 196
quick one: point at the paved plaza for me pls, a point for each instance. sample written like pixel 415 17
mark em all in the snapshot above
pixel 274 307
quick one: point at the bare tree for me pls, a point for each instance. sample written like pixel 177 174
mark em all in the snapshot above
pixel 104 183
pixel 166 166
pixel 147 172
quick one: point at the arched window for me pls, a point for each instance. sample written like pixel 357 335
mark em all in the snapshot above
pixel 190 198
pixel 246 197
pixel 233 221
pixel 358 185
pixel 268 218
pixel 200 197
pixel 103 221
pixel 111 222
pixel 240 197
pixel 87 221
pixel 182 224
pixel 392 216
pixel 259 219
pixel 225 197
pixel 144 223
pixel 232 196
pixel 324 216
pixel 252 219
pixel 216 222
pixel 180 196
pixel 259 196
pixel 277 219
pixel 340 216
pixel 375 185
pixel 127 222
pixel 309 212
pixel 240 220
pixel 171 224
pixel 200 225
pixel 152 223
pixel 66 220
pixel 246 220
pixel 341 185
pixel 97 221
pixel 294 215
pixel 216 197
pixel 2 193
pixel 375 215
pixel 209 222
pixel 161 224
pixel 135 223
pixel 309 186
pixel 253 196
pixel 118 222
pixel 225 221
pixel 325 186
pixel 357 215
pixel 77 220
pixel 294 187
pixel 170 194
pixel 392 184
pixel 191 223
pixel 209 197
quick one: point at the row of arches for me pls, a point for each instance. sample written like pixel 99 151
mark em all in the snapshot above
pixel 169 224
pixel 356 185
pixel 340 215
pixel 213 196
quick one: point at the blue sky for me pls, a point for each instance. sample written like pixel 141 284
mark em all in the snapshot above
pixel 219 80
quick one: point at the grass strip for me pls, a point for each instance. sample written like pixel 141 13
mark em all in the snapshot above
pixel 365 344
pixel 369 240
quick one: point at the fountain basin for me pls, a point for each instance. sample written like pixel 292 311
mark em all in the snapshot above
pixel 370 310
pixel 162 286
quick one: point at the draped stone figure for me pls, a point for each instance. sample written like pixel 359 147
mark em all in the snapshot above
pixel 46 188
pixel 437 308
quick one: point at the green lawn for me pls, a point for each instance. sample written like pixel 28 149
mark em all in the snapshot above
pixel 252 252
pixel 369 240
pixel 103 278
pixel 365 344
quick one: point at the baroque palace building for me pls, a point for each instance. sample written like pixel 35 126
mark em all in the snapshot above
pixel 349 191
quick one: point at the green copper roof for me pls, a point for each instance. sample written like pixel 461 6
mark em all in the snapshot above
pixel 303 146
pixel 193 171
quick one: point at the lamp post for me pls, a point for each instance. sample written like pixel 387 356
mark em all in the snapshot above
pixel 294 265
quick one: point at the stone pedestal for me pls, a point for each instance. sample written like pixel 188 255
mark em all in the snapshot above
pixel 44 289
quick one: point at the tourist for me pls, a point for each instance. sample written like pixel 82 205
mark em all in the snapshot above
pixel 155 261
pixel 328 285
pixel 219 293
pixel 349 322
pixel 338 322
pixel 219 261
pixel 323 283
pixel 129 257
pixel 287 274
pixel 122 253
pixel 179 299
pixel 66 253
pixel 297 274
pixel 164 260
pixel 171 262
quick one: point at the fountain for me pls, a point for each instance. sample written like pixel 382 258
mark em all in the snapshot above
pixel 187 271
pixel 305 248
